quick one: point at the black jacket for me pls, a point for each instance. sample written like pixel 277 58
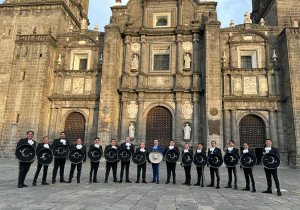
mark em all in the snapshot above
pixel 202 151
pixel 40 146
pixel 25 142
pixel 109 147
pixel 235 151
pixel 250 151
pixel 190 151
pixel 146 152
pixel 123 146
pixel 93 146
pixel 167 149
pixel 272 151
pixel 216 151
pixel 57 142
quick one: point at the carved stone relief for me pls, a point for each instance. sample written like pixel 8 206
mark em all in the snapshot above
pixel 250 85
pixel 135 48
pixel 237 85
pixel 263 86
pixel 132 109
pixel 187 47
pixel 78 84
pixel 187 110
pixel 214 127
pixel 67 85
pixel 88 85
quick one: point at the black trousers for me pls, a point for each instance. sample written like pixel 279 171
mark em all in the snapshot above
pixel 37 172
pixel 23 170
pixel 94 170
pixel 230 171
pixel 214 171
pixel 124 165
pixel 113 166
pixel 73 166
pixel 187 170
pixel 249 175
pixel 142 168
pixel 59 162
pixel 171 167
pixel 200 174
pixel 269 173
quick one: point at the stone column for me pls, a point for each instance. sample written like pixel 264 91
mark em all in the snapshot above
pixel 178 123
pixel 281 142
pixel 139 123
pixel 233 126
pixel 271 83
pixel 273 128
pixel 195 126
pixel 143 57
pixel 227 126
pixel 127 55
pixel 124 124
pixel 179 17
pixel 196 58
pixel 179 55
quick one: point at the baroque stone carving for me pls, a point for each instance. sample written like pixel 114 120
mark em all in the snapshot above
pixel 237 85
pixel 214 127
pixel 159 81
pixel 78 84
pixel 187 61
pixel 131 131
pixel 250 85
pixel 187 46
pixel 187 132
pixel 263 86
pixel 134 65
pixel 135 48
pixel 67 85
pixel 132 109
pixel 214 112
pixel 187 110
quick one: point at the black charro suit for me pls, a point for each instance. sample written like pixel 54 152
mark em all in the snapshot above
pixel 59 162
pixel 248 173
pixel 232 169
pixel 94 166
pixel 79 165
pixel 125 165
pixel 39 147
pixel 171 167
pixel 200 171
pixel 187 170
pixel 212 170
pixel 111 165
pixel 142 167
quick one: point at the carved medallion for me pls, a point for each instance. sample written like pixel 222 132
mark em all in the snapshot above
pixel 187 46
pixel 135 48
pixel 160 81
pixel 187 110
pixel 132 109
pixel 214 112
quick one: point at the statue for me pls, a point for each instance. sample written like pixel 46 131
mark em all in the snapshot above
pixel 187 61
pixel 135 62
pixel 187 132
pixel 131 131
pixel 84 24
pixel 248 17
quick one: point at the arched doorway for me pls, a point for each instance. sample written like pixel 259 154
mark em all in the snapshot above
pixel 75 126
pixel 253 132
pixel 159 125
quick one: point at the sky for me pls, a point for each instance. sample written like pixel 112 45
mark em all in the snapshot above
pixel 99 12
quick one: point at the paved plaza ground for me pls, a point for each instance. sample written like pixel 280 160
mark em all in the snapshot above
pixel 144 196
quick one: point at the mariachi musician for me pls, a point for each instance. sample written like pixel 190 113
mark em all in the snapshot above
pixel 248 171
pixel 111 165
pixel 143 166
pixel 200 170
pixel 95 164
pixel 77 146
pixel 233 150
pixel 187 168
pixel 155 166
pixel 25 166
pixel 40 146
pixel 214 171
pixel 271 172
pixel 126 164
pixel 60 162
pixel 171 166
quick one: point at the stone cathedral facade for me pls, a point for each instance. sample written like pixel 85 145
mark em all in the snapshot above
pixel 162 69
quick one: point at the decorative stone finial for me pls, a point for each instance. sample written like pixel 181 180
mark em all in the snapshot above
pixel 232 23
pixel 96 28
pixel 274 55
pixel 34 30
pixel 224 57
pixel 262 22
pixel 118 2
pixel 59 60
pixel 295 24
pixel 84 24
pixel 247 18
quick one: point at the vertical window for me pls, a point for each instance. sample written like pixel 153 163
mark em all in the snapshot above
pixel 161 60
pixel 80 62
pixel 83 64
pixel 246 61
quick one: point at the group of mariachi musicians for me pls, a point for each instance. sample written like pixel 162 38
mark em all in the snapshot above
pixel 61 149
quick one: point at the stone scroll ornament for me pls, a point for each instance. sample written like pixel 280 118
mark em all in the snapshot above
pixel 132 109
pixel 187 110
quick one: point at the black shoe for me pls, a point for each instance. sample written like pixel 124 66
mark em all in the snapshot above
pixel 174 182
pixel 90 181
pixel 34 184
pixel 20 186
pixel 235 187
pixel 120 181
pixel 184 183
pixel 115 180
pixel 128 181
pixel 188 184
pixel 197 184
pixel 210 185
pixel 153 181
pixel 95 181
pixel 217 187
pixel 267 191
pixel 45 183
pixel 144 181
pixel 246 189
pixel 137 181
pixel 157 182
pixel 105 181
pixel 167 182
pixel 24 185
pixel 53 181
pixel 228 186
pixel 202 185
pixel 253 190
pixel 62 181
pixel 70 181
pixel 78 181
pixel 279 193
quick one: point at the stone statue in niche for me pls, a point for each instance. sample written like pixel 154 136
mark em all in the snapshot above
pixel 135 62
pixel 187 61
pixel 187 132
pixel 131 131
